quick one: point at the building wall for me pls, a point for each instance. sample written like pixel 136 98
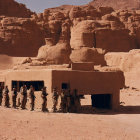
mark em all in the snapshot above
pixel 83 66
pixel 30 75
pixel 87 82
pixel 91 82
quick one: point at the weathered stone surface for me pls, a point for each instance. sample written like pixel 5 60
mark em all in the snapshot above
pixel 117 4
pixel 58 54
pixel 20 37
pixel 13 9
pixel 129 63
pixel 80 26
pixel 88 55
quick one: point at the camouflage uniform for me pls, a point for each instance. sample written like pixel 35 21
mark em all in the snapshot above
pixel 76 100
pixel 6 96
pixel 1 95
pixel 14 97
pixel 44 95
pixel 63 101
pixel 55 99
pixel 68 100
pixel 72 102
pixel 32 97
pixel 23 91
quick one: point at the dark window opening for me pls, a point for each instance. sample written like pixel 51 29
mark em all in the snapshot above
pixel 38 85
pixel 101 101
pixel 65 86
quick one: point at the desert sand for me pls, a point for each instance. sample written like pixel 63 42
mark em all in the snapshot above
pixel 123 124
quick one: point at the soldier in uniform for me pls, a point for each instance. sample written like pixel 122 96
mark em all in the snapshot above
pixel 44 95
pixel 68 100
pixel 32 97
pixel 76 100
pixel 6 96
pixel 23 91
pixel 14 97
pixel 55 99
pixel 1 95
pixel 63 101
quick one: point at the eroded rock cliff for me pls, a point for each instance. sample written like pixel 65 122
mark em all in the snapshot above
pixel 12 8
pixel 70 31
pixel 117 4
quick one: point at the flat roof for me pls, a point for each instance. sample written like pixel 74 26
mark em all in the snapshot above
pixel 69 70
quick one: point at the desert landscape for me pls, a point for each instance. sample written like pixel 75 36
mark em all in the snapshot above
pixel 91 124
pixel 71 39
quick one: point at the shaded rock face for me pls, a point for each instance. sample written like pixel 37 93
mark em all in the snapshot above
pixel 71 31
pixel 98 34
pixel 117 4
pixel 13 9
pixel 20 37
pixel 86 28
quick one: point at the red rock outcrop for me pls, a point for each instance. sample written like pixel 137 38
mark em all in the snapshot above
pixel 117 4
pixel 77 26
pixel 11 8
pixel 20 36
pixel 58 54
pixel 86 54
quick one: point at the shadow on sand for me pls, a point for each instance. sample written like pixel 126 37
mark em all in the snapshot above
pixel 88 109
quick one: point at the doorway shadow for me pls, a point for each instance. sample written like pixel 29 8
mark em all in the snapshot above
pixel 88 109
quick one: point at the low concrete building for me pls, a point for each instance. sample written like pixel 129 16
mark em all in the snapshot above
pixel 103 86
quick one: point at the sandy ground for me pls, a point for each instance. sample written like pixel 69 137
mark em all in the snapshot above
pixel 124 124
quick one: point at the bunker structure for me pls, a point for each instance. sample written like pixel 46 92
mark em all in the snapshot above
pixel 104 87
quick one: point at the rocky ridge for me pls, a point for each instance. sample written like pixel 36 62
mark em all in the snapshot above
pixel 12 8
pixel 72 33
pixel 117 4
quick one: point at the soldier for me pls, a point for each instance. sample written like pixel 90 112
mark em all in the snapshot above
pixel 63 101
pixel 68 100
pixel 6 96
pixel 1 95
pixel 32 97
pixel 55 99
pixel 23 91
pixel 14 96
pixel 76 100
pixel 44 95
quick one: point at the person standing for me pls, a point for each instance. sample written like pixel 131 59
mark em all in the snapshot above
pixel 76 100
pixel 1 95
pixel 68 100
pixel 55 99
pixel 23 91
pixel 6 96
pixel 14 97
pixel 63 101
pixel 44 95
pixel 32 98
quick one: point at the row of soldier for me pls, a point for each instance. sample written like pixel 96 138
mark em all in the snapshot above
pixel 70 102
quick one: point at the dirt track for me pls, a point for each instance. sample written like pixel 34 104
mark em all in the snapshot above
pixel 121 125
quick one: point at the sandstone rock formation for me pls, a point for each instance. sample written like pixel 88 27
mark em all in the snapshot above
pixel 58 54
pixel 13 9
pixel 80 28
pixel 129 63
pixel 20 36
pixel 117 4
pixel 86 54
pixel 86 26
